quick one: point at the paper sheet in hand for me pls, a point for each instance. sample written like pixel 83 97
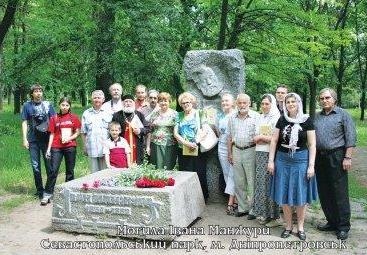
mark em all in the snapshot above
pixel 66 133
pixel 136 123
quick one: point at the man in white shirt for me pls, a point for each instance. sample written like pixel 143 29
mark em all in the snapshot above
pixel 115 104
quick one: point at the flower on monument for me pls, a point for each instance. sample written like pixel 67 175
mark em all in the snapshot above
pixel 85 186
pixel 96 184
pixel 143 183
pixel 170 182
pixel 158 183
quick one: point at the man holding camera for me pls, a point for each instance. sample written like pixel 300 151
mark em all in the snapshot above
pixel 35 116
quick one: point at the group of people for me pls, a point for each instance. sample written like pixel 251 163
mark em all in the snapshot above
pixel 279 158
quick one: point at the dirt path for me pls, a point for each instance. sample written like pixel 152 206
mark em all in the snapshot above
pixel 360 164
pixel 28 228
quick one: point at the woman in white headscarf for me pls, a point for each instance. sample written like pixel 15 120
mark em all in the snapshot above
pixel 293 182
pixel 263 207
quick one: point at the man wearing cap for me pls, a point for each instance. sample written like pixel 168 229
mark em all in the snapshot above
pixel 37 112
pixel 94 131
pixel 115 104
pixel 134 127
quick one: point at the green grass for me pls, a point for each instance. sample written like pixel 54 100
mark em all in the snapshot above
pixel 361 127
pixel 12 203
pixel 356 190
pixel 16 175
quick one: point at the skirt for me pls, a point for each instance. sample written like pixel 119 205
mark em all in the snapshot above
pixel 289 184
pixel 263 205
pixel 163 156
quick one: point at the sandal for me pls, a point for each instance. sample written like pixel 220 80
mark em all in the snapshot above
pixel 235 206
pixel 230 210
pixel 286 233
pixel 301 235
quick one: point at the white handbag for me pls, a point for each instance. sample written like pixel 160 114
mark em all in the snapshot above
pixel 210 139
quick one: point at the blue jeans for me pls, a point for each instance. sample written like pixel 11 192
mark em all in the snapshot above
pixel 35 150
pixel 56 157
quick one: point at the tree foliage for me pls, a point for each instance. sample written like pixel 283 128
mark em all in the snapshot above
pixel 75 46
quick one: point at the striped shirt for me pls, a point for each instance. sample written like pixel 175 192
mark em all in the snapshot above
pixel 243 130
pixel 95 127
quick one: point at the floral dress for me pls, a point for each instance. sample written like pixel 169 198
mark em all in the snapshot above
pixel 163 146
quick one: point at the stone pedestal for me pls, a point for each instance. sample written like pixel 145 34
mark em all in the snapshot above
pixel 147 213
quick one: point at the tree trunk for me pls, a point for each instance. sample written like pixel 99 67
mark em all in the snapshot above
pixel 10 92
pixel 223 25
pixel 363 104
pixel 340 75
pixel 7 20
pixel 312 83
pixel 16 78
pixel 304 99
pixel 104 45
pixel 362 66
pixel 2 85
pixel 233 39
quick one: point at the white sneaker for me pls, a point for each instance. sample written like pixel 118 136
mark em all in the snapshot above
pixel 46 199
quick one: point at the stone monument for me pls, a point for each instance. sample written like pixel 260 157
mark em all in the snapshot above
pixel 144 213
pixel 210 74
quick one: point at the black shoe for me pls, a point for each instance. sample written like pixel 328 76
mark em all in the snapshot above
pixel 39 194
pixel 286 233
pixel 251 217
pixel 342 235
pixel 301 235
pixel 240 214
pixel 326 227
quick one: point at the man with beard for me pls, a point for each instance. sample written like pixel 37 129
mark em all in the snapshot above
pixel 241 153
pixel 115 104
pixel 134 128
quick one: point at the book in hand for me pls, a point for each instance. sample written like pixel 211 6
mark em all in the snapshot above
pixel 66 133
pixel 265 129
pixel 186 151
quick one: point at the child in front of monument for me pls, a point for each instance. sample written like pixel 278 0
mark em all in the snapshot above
pixel 116 150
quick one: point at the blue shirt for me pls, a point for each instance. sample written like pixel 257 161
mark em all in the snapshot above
pixel 32 108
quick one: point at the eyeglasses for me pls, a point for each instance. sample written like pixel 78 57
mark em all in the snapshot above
pixel 184 103
pixel 325 98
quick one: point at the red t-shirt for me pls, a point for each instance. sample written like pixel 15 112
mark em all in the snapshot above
pixel 66 122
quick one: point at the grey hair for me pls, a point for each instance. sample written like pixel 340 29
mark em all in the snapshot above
pixel 115 84
pixel 244 96
pixel 98 92
pixel 331 91
pixel 153 91
pixel 228 95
